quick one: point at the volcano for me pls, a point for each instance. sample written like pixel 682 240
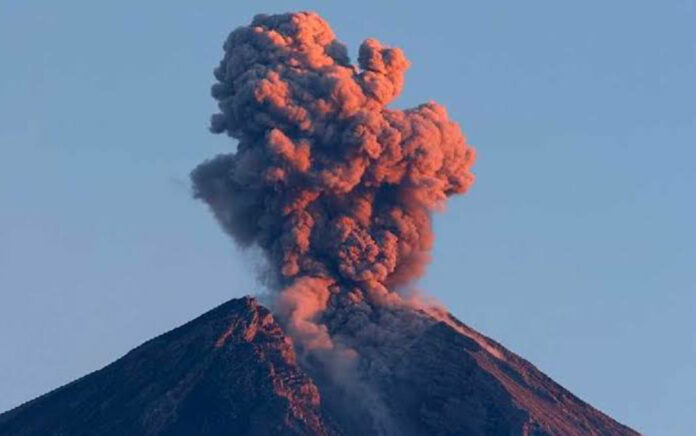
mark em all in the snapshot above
pixel 233 371
pixel 337 190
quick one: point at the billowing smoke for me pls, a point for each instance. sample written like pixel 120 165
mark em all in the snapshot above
pixel 334 187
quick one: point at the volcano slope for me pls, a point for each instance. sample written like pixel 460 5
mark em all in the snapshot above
pixel 233 371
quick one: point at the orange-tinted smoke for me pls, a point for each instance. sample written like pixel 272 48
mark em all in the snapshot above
pixel 328 181
pixel 299 304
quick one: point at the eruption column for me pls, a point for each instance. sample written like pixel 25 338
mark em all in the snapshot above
pixel 333 186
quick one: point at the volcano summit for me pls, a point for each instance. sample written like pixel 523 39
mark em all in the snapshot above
pixel 233 371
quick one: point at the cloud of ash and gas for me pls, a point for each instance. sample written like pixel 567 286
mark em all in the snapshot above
pixel 336 189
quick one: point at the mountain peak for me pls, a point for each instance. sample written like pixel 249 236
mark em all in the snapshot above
pixel 234 371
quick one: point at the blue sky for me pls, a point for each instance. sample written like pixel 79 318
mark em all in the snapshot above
pixel 575 248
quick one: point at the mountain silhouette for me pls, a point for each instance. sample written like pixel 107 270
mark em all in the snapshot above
pixel 233 371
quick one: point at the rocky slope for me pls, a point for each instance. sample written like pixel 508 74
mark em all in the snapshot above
pixel 232 371
pixel 449 382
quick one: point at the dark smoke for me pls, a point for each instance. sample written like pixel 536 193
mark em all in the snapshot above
pixel 337 191
pixel 334 187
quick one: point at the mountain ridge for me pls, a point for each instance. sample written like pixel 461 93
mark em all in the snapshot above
pixel 233 370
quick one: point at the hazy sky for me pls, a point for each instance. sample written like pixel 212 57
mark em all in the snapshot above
pixel 575 248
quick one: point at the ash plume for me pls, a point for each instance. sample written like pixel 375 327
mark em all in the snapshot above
pixel 334 187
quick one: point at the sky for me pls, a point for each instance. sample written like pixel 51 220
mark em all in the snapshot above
pixel 575 248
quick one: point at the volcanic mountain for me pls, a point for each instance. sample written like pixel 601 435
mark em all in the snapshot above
pixel 233 371
pixel 337 190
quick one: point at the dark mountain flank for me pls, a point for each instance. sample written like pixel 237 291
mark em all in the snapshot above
pixel 233 371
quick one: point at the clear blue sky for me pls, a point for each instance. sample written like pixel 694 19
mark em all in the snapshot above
pixel 576 248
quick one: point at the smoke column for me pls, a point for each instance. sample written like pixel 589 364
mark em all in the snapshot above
pixel 334 187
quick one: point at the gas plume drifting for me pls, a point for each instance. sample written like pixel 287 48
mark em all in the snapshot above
pixel 333 186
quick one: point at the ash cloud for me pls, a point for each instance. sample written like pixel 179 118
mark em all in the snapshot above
pixel 336 188
pixel 332 185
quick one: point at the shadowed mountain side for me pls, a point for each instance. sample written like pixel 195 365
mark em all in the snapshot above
pixel 233 371
pixel 453 380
